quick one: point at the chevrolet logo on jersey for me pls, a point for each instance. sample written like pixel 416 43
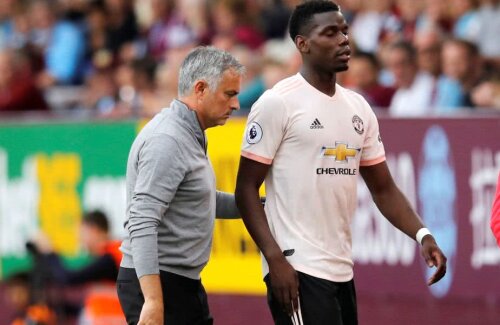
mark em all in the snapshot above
pixel 341 152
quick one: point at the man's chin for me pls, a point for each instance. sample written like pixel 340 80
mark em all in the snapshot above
pixel 222 121
pixel 342 68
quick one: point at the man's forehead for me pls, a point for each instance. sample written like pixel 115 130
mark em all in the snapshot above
pixel 230 81
pixel 230 76
pixel 231 73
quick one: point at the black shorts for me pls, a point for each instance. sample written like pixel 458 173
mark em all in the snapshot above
pixel 322 302
pixel 185 300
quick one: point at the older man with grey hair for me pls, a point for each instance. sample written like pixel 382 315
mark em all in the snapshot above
pixel 171 196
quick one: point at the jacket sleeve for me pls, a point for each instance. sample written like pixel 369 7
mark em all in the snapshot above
pixel 161 168
pixel 226 206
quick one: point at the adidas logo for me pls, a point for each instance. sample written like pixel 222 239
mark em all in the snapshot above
pixel 316 124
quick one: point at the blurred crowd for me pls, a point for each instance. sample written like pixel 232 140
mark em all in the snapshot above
pixel 120 58
pixel 39 296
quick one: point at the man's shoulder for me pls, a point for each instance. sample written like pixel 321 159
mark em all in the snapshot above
pixel 163 126
pixel 354 97
pixel 287 86
pixel 160 121
pixel 348 92
pixel 166 122
pixel 284 94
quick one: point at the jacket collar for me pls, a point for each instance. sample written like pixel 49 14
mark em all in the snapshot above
pixel 189 119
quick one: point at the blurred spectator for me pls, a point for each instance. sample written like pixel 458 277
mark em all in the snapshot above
pixel 409 13
pixel 461 72
pixel 167 77
pixel 144 83
pixel 95 239
pixel 127 104
pixel 252 85
pixel 61 43
pixel 272 71
pixel 121 24
pixel 70 42
pixel 487 95
pixel 6 10
pixel 101 298
pixel 285 52
pixel 16 30
pixel 428 43
pixel 435 14
pixel 385 76
pixel 275 19
pixel 166 83
pixel 168 28
pixel 5 20
pixel 414 92
pixel 98 54
pixel 20 297
pixel 373 24
pixel 349 9
pixel 99 99
pixel 489 16
pixel 74 10
pixel 231 17
pixel 196 14
pixel 467 22
pixel 136 93
pixel 363 77
pixel 277 60
pixel 18 91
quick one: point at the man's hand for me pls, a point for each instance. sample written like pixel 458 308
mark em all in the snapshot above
pixel 151 313
pixel 284 283
pixel 152 310
pixel 433 257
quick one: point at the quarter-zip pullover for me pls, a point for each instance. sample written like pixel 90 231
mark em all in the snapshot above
pixel 171 196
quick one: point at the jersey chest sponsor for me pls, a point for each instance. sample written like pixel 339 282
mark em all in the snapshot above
pixel 336 171
pixel 340 154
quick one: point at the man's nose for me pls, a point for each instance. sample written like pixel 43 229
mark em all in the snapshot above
pixel 345 39
pixel 235 103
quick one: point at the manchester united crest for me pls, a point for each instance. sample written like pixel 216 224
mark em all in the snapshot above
pixel 358 125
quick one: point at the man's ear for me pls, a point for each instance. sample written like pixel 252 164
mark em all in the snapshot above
pixel 200 88
pixel 302 44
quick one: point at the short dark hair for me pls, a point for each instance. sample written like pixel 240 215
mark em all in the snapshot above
pixel 96 218
pixel 302 15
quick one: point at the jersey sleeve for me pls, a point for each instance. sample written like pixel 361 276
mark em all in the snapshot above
pixel 265 129
pixel 373 148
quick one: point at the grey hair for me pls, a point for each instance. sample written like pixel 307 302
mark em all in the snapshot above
pixel 205 63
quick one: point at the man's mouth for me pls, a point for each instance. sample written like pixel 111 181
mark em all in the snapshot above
pixel 344 55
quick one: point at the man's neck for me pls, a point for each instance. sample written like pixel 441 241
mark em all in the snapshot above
pixel 191 102
pixel 323 81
